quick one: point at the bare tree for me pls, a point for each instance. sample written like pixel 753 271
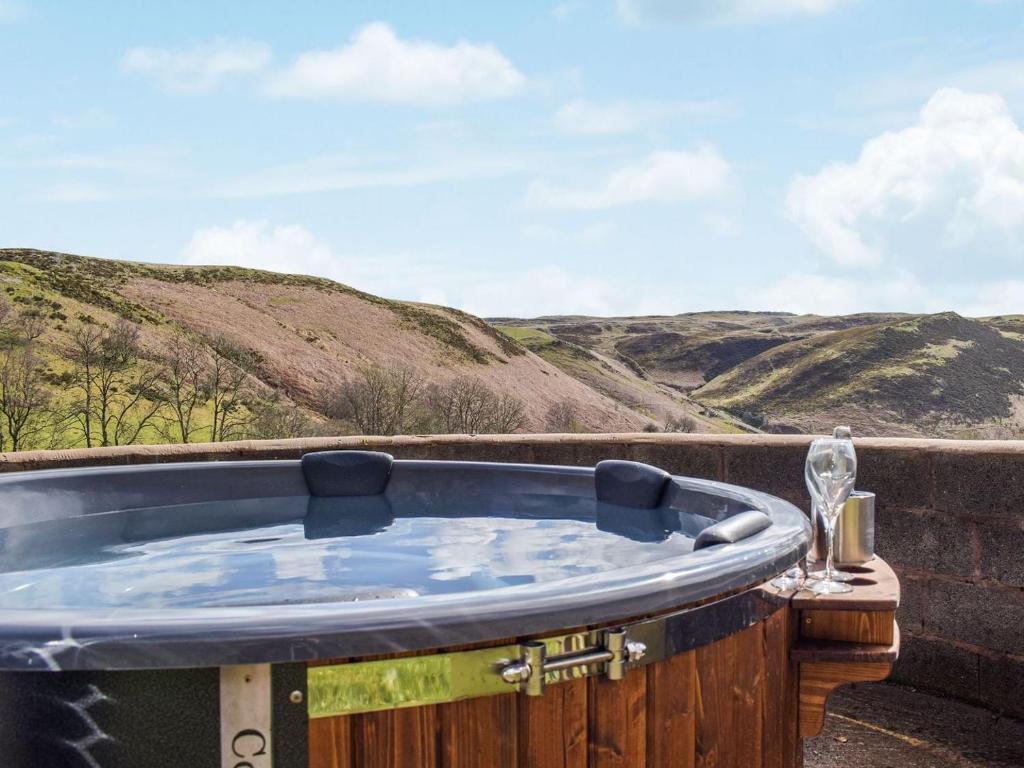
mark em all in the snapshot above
pixel 376 401
pixel 24 397
pixel 226 385
pixel 140 404
pixel 461 406
pixel 183 389
pixel 467 405
pixel 681 424
pixel 84 352
pixel 561 417
pixel 117 390
pixel 274 418
pixel 509 415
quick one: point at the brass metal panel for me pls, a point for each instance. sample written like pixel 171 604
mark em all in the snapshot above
pixel 413 681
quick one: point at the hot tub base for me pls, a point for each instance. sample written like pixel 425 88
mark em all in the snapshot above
pixel 730 703
pixel 750 686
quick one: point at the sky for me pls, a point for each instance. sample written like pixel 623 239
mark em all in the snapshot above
pixel 602 157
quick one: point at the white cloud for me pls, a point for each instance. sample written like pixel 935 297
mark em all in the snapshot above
pixel 200 68
pixel 294 249
pixel 378 66
pixel 829 295
pixel 544 290
pixel 1005 297
pixel 721 11
pixel 586 117
pixel 952 183
pixel 662 177
pixel 258 245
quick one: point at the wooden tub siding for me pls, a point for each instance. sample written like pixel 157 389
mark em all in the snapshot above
pixel 731 704
pixel 744 701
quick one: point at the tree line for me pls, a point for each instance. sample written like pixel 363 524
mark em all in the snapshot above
pixel 103 386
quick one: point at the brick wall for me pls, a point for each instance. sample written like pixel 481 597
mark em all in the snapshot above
pixel 950 519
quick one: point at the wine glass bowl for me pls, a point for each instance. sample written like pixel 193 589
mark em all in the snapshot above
pixel 830 472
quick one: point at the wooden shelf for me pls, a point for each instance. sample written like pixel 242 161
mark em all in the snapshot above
pixel 876 588
pixel 809 650
pixel 847 638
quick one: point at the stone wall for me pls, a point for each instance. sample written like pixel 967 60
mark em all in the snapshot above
pixel 950 519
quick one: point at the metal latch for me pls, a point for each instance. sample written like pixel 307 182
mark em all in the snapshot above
pixel 533 665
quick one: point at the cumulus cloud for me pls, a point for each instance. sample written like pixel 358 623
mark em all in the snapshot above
pixel 831 295
pixel 293 249
pixel 661 177
pixel 586 117
pixel 951 183
pixel 721 11
pixel 1005 297
pixel 377 65
pixel 200 68
pixel 545 289
pixel 257 244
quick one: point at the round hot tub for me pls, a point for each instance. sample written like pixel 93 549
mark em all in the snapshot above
pixel 352 610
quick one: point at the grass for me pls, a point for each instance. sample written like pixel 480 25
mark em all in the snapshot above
pixel 532 338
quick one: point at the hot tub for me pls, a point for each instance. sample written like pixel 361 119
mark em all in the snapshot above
pixel 352 610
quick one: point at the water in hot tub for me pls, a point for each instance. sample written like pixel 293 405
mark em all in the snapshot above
pixel 300 550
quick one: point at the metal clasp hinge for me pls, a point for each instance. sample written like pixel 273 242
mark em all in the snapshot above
pixel 533 665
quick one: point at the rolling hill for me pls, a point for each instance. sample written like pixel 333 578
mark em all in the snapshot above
pixel 886 374
pixel 896 374
pixel 304 335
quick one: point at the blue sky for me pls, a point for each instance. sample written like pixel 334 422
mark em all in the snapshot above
pixel 630 157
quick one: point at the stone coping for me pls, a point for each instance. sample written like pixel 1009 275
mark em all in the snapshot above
pixel 291 448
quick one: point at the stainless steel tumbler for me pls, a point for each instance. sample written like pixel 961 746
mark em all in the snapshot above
pixel 855 531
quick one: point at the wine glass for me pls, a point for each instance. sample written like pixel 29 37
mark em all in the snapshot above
pixel 796 577
pixel 830 472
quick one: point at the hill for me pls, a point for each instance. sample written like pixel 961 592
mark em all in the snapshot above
pixel 270 353
pixel 685 351
pixel 893 374
pixel 298 336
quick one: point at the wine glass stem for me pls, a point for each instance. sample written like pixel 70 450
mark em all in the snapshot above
pixel 830 532
pixel 806 563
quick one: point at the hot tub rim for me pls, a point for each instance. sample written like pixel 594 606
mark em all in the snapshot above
pixel 125 639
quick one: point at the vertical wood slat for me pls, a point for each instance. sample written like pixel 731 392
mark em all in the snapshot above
pixel 399 738
pixel 330 743
pixel 747 697
pixel 554 727
pixel 782 747
pixel 730 681
pixel 479 732
pixel 618 724
pixel 671 716
pixel 713 715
